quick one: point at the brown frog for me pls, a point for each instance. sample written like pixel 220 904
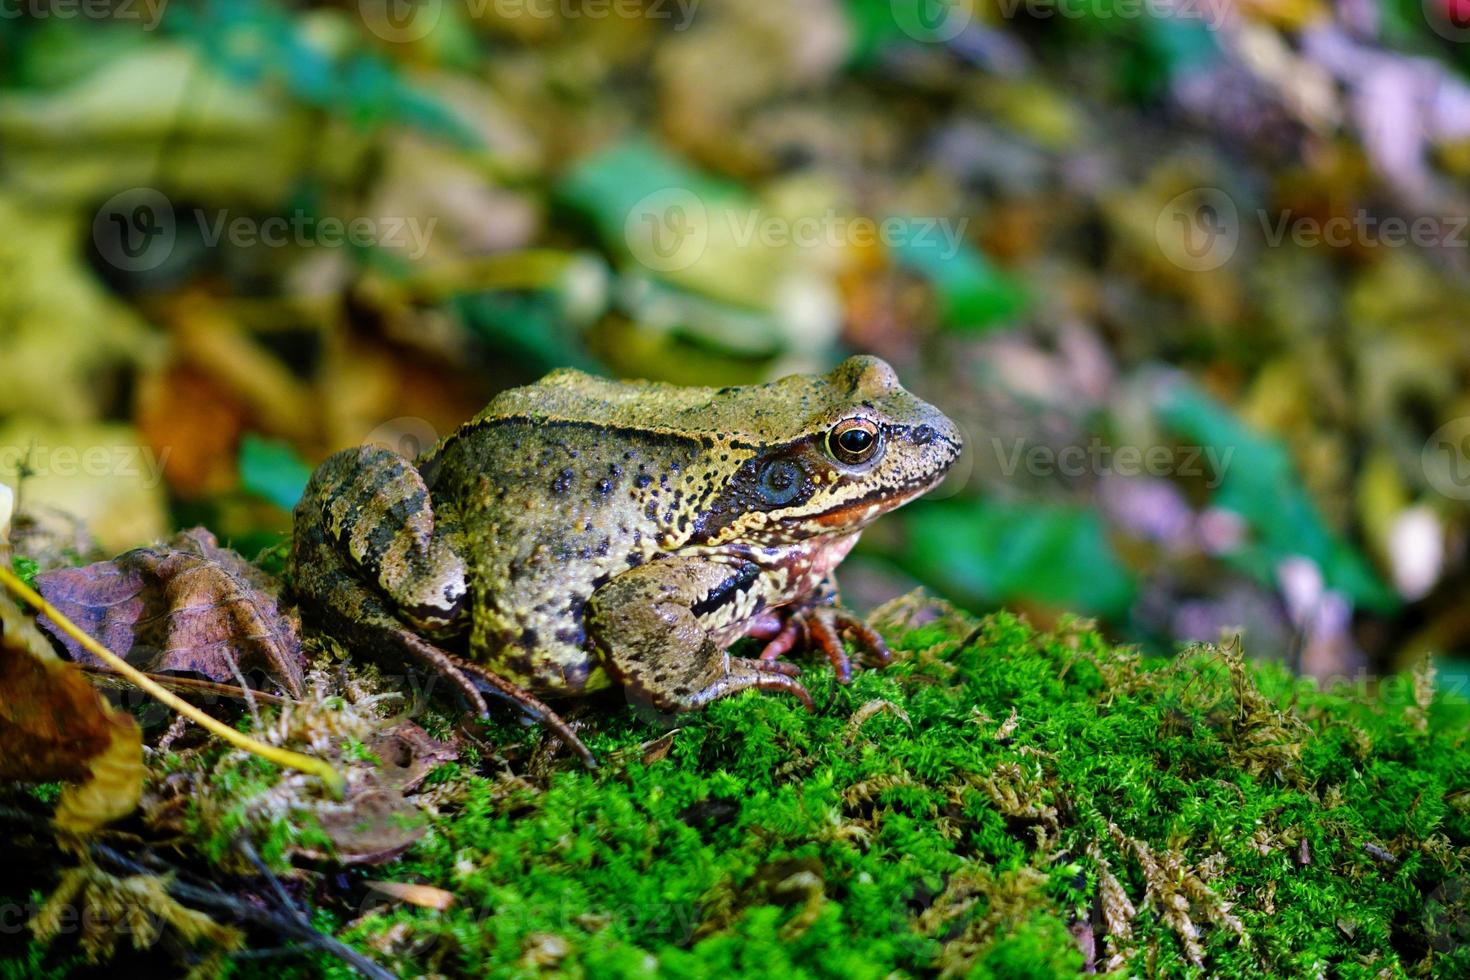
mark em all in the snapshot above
pixel 581 532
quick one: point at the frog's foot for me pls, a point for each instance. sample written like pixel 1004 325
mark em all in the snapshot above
pixel 527 702
pixel 823 627
pixel 763 675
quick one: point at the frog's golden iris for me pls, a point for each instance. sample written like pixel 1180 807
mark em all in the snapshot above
pixel 854 441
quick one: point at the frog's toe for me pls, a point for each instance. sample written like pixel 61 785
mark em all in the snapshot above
pixel 855 628
pixel 822 628
pixel 532 706
pixel 768 675
pixel 784 641
pixel 766 666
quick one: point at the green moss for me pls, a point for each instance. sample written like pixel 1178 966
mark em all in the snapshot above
pixel 26 569
pixel 1193 816
pixel 997 803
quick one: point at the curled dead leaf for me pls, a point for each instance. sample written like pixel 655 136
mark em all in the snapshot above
pixel 187 607
pixel 54 725
pixel 376 821
pixel 657 750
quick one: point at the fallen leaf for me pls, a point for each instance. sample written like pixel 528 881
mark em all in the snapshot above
pixel 375 825
pixel 408 754
pixel 424 896
pixel 658 749
pixel 54 725
pixel 377 822
pixel 188 607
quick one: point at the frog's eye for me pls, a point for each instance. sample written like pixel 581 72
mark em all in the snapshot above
pixel 780 482
pixel 853 441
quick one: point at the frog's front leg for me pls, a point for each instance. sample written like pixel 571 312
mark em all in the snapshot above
pixel 820 621
pixel 656 627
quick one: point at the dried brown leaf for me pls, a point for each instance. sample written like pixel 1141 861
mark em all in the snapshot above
pixel 424 896
pixel 188 607
pixel 371 827
pixel 377 822
pixel 54 725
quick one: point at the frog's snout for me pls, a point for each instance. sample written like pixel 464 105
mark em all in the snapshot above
pixel 941 437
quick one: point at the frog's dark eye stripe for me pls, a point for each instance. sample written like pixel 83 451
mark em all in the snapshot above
pixel 853 441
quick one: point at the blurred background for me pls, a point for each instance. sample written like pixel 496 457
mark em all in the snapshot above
pixel 1191 274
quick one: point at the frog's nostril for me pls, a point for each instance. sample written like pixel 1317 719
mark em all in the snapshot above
pixel 924 434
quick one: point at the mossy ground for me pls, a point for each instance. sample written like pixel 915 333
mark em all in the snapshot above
pixel 995 803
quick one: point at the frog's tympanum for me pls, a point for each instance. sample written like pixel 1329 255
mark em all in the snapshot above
pixel 581 532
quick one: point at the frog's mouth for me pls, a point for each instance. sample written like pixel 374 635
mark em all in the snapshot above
pixel 863 511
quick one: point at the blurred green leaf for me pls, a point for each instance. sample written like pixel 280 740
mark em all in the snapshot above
pixel 257 43
pixel 605 187
pixel 994 552
pixel 530 328
pixel 271 469
pixel 1260 484
pixel 59 52
pixel 973 294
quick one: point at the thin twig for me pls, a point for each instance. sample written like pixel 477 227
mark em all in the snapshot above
pixel 213 898
pixel 262 869
pixel 188 685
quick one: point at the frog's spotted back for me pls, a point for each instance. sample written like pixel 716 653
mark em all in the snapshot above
pixel 742 416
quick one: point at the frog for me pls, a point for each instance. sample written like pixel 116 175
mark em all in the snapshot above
pixel 583 532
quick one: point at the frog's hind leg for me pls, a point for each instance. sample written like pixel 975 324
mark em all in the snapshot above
pixel 373 507
pixel 530 704
pixel 359 617
pixel 344 608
